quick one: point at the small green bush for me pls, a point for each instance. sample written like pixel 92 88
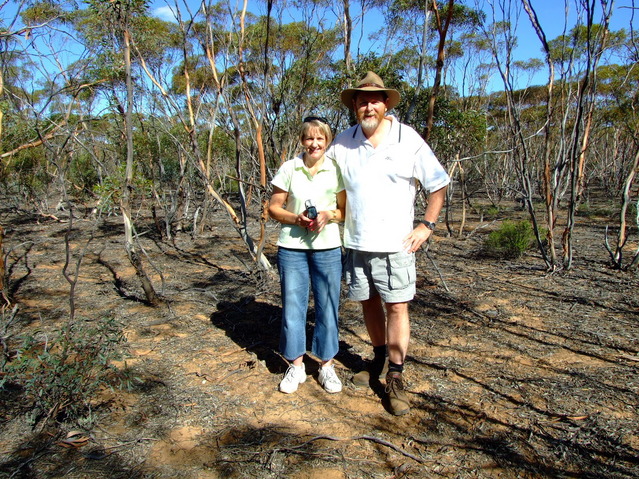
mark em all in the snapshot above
pixel 62 373
pixel 589 210
pixel 493 211
pixel 511 240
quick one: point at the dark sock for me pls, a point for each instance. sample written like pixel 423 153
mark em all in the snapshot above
pixel 379 354
pixel 393 367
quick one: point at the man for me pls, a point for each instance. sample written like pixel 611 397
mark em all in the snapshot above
pixel 380 159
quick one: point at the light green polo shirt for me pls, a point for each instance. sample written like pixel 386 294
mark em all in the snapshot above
pixel 295 178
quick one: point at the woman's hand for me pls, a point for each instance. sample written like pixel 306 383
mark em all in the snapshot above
pixel 322 219
pixel 304 221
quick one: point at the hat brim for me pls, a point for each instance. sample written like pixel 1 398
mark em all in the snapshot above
pixel 349 93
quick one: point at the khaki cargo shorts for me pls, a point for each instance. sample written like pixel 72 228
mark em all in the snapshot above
pixel 391 275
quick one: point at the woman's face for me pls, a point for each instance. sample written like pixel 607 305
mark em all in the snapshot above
pixel 314 143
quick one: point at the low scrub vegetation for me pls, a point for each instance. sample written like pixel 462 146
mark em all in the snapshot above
pixel 510 241
pixel 60 373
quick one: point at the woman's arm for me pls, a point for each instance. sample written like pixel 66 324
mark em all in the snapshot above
pixel 277 211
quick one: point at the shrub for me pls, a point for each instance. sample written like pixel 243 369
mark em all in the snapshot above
pixel 83 174
pixel 63 373
pixel 511 240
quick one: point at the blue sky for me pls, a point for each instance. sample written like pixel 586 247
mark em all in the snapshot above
pixel 552 16
pixel 550 12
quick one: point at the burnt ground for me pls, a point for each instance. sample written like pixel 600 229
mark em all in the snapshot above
pixel 513 372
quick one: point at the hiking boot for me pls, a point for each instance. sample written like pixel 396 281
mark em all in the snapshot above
pixel 397 397
pixel 294 376
pixel 363 378
pixel 329 380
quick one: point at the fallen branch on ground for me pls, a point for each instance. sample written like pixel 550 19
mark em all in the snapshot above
pixel 357 438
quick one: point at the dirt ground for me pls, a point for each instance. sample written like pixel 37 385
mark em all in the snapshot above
pixel 512 372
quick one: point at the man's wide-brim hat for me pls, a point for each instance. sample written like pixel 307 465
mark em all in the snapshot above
pixel 371 82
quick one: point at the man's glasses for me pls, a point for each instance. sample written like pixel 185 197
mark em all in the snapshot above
pixel 315 118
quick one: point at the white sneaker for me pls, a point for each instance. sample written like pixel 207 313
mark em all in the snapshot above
pixel 329 380
pixel 294 376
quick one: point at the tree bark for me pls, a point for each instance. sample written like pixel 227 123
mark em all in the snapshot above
pixel 617 255
pixel 3 285
pixel 125 202
pixel 348 34
pixel 548 186
pixel 442 29
pixel 420 66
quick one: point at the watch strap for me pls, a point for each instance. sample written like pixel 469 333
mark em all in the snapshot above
pixel 428 224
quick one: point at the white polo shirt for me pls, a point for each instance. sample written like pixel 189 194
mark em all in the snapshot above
pixel 380 184
pixel 295 178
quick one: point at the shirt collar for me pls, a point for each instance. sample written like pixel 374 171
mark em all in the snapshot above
pixel 328 164
pixel 394 134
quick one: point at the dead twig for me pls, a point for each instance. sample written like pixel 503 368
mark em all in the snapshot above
pixel 4 333
pixel 438 271
pixel 358 438
pixel 479 227
pixel 426 252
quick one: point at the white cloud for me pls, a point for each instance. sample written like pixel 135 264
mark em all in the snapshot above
pixel 165 13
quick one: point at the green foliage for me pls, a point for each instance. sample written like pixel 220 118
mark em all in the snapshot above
pixel 405 12
pixel 489 211
pixel 82 174
pixel 42 12
pixel 109 191
pixel 510 241
pixel 63 373
pixel 456 129
pixel 28 173
pixel 565 48
pixel 590 210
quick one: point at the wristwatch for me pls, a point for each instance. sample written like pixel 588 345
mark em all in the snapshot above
pixel 428 224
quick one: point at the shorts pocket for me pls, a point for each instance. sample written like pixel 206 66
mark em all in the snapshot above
pixel 401 270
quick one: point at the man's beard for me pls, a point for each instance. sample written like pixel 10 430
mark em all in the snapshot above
pixel 370 122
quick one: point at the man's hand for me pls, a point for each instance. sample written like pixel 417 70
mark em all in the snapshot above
pixel 416 238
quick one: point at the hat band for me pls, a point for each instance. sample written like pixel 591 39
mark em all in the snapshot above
pixel 371 84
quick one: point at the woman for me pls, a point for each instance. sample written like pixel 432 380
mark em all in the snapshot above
pixel 308 200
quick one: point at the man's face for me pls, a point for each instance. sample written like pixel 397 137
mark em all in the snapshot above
pixel 370 108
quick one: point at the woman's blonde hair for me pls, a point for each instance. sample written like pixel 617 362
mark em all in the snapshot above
pixel 316 122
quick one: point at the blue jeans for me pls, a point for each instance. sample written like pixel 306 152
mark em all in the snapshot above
pixel 323 269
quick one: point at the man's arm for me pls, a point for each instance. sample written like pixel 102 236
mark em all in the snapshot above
pixel 421 233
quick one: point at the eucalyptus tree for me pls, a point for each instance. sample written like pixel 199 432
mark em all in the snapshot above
pixel 185 91
pixel 8 34
pixel 421 26
pixel 280 65
pixel 501 33
pixel 474 69
pixel 619 86
pixel 48 103
pixel 617 123
pixel 572 61
pixel 118 18
pixel 433 26
pixel 17 29
pixel 557 126
pixel 18 96
pixel 300 58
